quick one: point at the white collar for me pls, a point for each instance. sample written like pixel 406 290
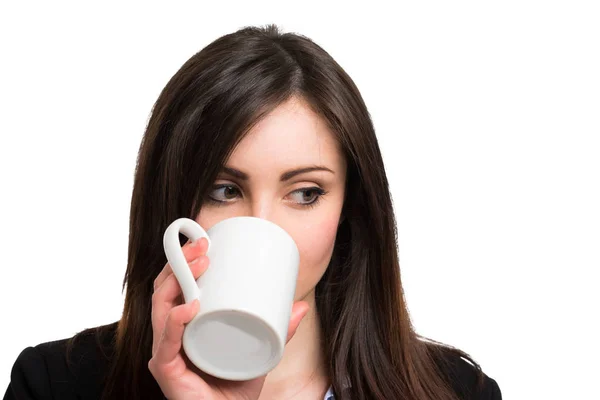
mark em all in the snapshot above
pixel 329 394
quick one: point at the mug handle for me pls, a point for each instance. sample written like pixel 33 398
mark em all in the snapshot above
pixel 174 253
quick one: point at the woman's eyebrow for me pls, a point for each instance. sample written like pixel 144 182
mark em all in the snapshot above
pixel 236 173
pixel 292 173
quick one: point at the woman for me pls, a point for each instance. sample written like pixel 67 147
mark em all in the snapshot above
pixel 264 124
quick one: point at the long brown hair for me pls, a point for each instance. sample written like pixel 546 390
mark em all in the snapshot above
pixel 202 113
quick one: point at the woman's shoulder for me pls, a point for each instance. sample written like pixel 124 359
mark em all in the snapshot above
pixel 465 375
pixel 65 368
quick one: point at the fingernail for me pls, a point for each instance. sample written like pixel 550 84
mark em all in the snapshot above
pixel 194 243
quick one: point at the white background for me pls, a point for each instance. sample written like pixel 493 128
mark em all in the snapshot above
pixel 488 117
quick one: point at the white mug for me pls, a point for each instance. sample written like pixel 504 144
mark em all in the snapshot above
pixel 246 294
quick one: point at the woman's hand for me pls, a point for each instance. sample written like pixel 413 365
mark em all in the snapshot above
pixel 177 377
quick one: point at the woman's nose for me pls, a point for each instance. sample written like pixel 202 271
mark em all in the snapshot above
pixel 262 208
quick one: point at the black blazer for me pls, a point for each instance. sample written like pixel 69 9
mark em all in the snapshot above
pixel 41 372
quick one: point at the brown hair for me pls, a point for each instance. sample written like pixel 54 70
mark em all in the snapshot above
pixel 199 117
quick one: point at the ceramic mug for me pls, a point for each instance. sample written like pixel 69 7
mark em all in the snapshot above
pixel 246 294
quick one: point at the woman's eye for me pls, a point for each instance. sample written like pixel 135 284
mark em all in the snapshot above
pixel 307 196
pixel 224 193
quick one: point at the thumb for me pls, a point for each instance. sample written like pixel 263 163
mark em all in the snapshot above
pixel 299 310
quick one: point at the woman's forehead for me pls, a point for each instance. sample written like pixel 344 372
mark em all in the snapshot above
pixel 291 135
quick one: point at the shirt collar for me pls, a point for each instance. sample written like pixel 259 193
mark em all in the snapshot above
pixel 329 394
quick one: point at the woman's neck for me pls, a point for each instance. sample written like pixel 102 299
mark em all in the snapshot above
pixel 301 372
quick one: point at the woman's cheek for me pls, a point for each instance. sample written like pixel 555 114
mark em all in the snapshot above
pixel 315 243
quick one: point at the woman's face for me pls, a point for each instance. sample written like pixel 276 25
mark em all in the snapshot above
pixel 288 170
